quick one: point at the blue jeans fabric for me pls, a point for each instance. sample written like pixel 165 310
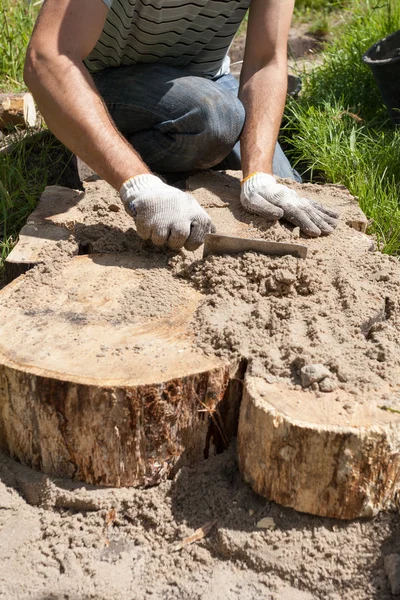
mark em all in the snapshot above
pixel 179 122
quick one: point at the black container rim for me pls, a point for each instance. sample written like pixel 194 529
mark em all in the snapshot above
pixel 384 61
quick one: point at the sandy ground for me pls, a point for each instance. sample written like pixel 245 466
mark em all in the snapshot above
pixel 68 540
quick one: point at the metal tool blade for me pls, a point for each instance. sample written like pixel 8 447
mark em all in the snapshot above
pixel 225 244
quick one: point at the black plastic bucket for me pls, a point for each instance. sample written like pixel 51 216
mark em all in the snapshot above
pixel 384 60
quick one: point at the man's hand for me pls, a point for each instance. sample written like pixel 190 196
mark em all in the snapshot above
pixel 261 194
pixel 164 214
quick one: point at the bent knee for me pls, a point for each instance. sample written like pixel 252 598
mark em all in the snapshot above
pixel 222 117
pixel 211 122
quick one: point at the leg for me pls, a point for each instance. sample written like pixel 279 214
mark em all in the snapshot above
pixel 177 122
pixel 280 165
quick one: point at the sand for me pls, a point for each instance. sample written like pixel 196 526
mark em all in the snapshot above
pixel 68 541
pixel 340 309
pixel 147 298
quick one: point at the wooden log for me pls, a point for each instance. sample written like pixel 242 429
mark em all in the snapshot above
pixel 313 456
pixel 11 141
pixel 101 386
pixel 17 110
pixel 110 401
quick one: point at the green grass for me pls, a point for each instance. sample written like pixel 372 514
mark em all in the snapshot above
pixel 321 16
pixel 17 18
pixel 302 5
pixel 20 184
pixel 339 131
pixel 318 14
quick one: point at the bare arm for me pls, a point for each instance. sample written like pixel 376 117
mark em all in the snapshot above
pixel 263 82
pixel 66 32
pixel 263 92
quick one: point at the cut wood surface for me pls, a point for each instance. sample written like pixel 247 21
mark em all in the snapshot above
pixel 17 110
pixel 86 392
pixel 35 241
pixel 310 454
pixel 216 190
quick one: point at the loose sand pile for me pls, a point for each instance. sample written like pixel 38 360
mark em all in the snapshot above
pixel 339 308
pixel 68 541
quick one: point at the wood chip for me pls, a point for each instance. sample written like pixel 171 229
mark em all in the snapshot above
pixel 111 516
pixel 199 534
pixel 266 523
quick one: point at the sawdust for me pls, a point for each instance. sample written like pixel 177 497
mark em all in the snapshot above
pixel 64 540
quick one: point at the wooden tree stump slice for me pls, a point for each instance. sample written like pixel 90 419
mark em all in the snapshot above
pixel 99 378
pixel 312 455
pixel 219 193
pixel 17 110
pixel 61 210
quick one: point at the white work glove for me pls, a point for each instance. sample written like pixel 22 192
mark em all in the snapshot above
pixel 164 214
pixel 261 194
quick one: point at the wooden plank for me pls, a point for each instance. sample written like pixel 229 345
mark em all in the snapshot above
pixel 225 244
pixel 17 110
pixel 47 232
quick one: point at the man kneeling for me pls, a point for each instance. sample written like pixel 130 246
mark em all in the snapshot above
pixel 135 86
